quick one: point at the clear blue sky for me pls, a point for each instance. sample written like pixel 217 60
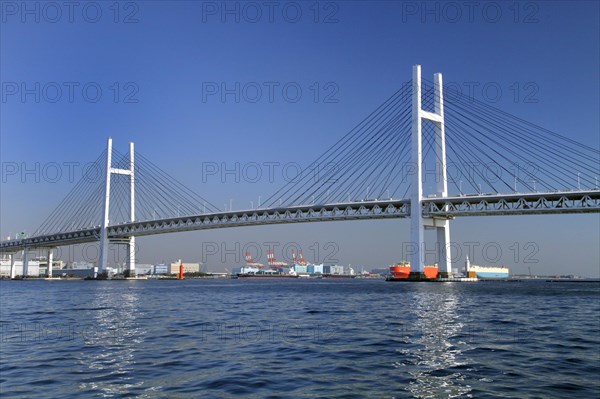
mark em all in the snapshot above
pixel 169 54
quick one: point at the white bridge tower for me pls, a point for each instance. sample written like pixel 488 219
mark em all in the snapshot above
pixel 418 222
pixel 104 242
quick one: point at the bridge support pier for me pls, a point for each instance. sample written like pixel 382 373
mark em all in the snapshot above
pixel 50 259
pixel 131 257
pixel 418 223
pixel 443 251
pixel 25 263
pixel 12 266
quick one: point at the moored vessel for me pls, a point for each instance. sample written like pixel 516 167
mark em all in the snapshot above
pixel 485 272
pixel 401 271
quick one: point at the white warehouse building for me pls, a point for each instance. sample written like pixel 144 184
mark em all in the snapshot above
pixel 33 268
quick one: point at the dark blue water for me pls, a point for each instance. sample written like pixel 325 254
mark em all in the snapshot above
pixel 291 339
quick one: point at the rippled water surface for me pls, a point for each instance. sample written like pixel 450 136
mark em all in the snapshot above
pixel 294 339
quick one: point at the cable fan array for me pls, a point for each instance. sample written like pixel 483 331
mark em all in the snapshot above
pixel 157 196
pixel 488 150
pixel 495 152
pixel 366 163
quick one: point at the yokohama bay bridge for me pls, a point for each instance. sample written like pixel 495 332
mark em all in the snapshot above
pixel 377 173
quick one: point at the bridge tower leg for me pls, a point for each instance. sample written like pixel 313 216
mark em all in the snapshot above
pixel 131 246
pixel 418 223
pixel 12 266
pixel 417 262
pixel 103 259
pixel 442 226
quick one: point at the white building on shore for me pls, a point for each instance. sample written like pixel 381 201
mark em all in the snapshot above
pixel 33 268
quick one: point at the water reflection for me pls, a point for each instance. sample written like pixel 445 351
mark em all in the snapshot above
pixel 111 344
pixel 432 359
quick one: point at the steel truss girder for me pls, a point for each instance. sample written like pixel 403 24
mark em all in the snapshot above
pixel 514 204
pixel 51 240
pixel 449 207
pixel 295 214
pixel 301 214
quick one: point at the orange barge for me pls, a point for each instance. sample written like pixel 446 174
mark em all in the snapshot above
pixel 402 271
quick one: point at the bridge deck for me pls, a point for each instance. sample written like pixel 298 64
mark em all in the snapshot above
pixel 449 207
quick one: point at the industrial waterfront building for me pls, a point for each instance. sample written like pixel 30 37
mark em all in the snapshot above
pixel 33 268
pixel 333 269
pixel 187 267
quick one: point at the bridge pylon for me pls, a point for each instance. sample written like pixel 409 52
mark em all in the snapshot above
pixel 104 242
pixel 418 222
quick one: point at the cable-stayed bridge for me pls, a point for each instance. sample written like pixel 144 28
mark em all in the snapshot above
pixel 481 161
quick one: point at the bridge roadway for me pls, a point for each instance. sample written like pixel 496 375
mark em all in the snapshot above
pixel 442 208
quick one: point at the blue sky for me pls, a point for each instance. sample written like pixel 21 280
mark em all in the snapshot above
pixel 154 73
